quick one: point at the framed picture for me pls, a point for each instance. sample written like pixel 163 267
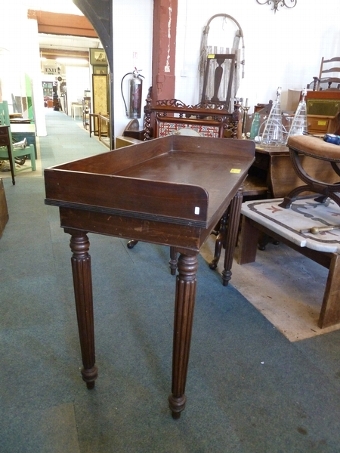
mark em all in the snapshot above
pixel 100 91
pixel 100 70
pixel 98 57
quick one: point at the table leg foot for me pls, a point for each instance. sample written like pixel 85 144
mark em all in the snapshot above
pixel 89 376
pixel 226 277
pixel 177 405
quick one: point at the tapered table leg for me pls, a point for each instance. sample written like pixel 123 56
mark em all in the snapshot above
pixel 220 240
pixel 184 311
pixel 231 235
pixel 82 282
pixel 173 260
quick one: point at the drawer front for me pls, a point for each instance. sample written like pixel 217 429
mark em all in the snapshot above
pixel 318 124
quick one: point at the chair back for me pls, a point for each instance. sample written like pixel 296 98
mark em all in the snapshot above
pixel 4 119
pixel 216 66
pixel 329 74
pixel 171 116
pixel 4 114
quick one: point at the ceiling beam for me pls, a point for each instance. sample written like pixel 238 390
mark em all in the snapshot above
pixel 52 54
pixel 62 24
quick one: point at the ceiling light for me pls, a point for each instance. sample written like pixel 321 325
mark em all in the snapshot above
pixel 277 3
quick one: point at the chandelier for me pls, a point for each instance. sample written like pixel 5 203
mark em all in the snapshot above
pixel 277 3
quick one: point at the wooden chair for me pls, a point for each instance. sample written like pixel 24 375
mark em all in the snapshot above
pixel 221 70
pixel 329 74
pixel 167 117
pixel 302 145
pixel 222 61
pixel 7 150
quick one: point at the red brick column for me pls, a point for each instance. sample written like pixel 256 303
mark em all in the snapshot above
pixel 164 49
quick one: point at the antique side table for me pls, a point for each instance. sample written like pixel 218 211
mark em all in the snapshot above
pixel 169 191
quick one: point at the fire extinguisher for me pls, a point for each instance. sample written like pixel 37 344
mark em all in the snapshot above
pixel 135 101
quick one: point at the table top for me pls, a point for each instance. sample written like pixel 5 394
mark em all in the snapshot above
pixel 176 179
pixel 295 223
pixel 23 127
pixel 272 150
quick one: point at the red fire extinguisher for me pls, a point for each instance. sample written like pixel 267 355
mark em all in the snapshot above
pixel 135 101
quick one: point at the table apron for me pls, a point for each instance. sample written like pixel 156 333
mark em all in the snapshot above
pixel 181 236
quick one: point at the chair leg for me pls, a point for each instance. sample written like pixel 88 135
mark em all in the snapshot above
pixel 32 156
pixel 22 154
pixel 11 163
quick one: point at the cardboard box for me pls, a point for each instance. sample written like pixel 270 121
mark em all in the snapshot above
pixel 293 100
pixel 3 208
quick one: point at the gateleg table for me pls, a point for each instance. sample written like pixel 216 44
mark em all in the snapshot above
pixel 169 191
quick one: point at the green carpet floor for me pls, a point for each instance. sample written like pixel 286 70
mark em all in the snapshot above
pixel 249 390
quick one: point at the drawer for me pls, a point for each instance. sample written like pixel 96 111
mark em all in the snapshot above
pixel 318 124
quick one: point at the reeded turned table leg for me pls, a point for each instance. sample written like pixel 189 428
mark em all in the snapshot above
pixel 184 310
pixel 82 282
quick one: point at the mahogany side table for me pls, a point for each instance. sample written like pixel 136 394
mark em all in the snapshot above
pixel 170 191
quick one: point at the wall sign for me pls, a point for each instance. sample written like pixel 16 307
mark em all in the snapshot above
pixel 52 70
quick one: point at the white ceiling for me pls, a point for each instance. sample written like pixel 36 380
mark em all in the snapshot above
pixel 62 42
pixel 61 6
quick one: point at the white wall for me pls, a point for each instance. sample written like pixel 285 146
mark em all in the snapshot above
pixel 77 81
pixel 20 36
pixel 132 46
pixel 282 49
